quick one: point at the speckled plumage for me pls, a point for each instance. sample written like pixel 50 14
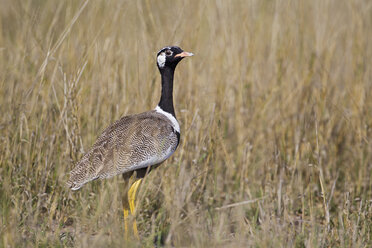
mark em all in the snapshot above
pixel 131 143
pixel 139 141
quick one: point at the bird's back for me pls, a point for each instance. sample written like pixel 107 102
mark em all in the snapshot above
pixel 131 143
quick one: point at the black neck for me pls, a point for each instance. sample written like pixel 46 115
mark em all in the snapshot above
pixel 166 99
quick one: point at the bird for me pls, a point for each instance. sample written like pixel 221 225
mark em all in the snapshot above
pixel 135 144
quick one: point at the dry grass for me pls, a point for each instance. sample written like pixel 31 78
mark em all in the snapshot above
pixel 275 112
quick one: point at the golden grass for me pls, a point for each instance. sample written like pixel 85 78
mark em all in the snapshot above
pixel 275 112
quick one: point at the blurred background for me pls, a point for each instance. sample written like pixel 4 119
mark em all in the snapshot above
pixel 275 111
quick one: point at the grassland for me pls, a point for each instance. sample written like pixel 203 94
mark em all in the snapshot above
pixel 275 111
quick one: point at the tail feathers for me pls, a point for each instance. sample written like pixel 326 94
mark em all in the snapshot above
pixel 80 175
pixel 73 185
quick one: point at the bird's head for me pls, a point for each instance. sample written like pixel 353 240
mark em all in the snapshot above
pixel 170 56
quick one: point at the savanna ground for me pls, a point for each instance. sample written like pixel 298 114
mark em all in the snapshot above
pixel 275 111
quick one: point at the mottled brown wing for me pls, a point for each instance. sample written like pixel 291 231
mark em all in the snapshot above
pixel 133 142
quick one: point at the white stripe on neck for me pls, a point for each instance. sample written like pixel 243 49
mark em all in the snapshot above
pixel 174 121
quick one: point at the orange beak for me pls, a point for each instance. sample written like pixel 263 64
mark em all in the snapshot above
pixel 184 54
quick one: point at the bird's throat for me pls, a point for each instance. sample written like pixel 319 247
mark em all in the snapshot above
pixel 166 99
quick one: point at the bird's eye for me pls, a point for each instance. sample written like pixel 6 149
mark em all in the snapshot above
pixel 168 52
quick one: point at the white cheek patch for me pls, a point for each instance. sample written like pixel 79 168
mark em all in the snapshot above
pixel 161 60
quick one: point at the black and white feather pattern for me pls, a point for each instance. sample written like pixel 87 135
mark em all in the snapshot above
pixel 131 143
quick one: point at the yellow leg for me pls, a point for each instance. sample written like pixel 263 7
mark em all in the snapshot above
pixel 125 209
pixel 131 198
pixel 126 214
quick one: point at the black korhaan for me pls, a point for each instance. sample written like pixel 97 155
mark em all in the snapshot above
pixel 138 142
